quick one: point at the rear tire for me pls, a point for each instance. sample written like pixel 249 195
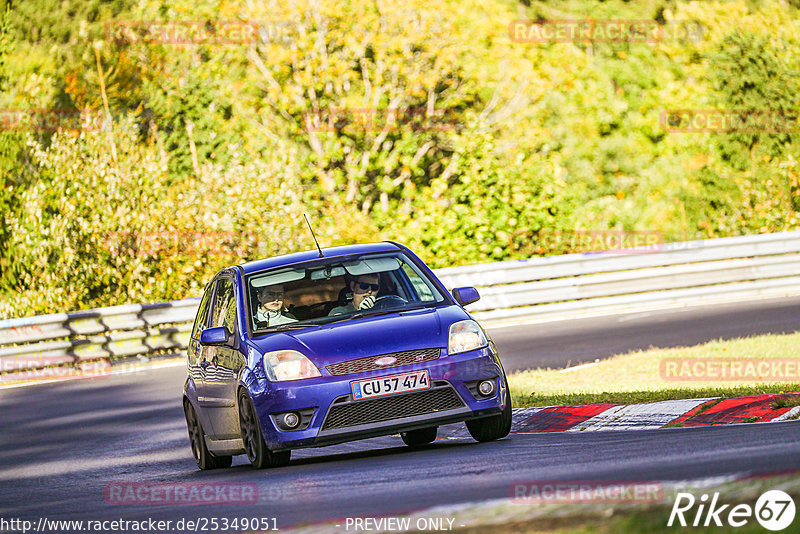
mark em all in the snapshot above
pixel 257 451
pixel 420 437
pixel 202 456
pixel 492 428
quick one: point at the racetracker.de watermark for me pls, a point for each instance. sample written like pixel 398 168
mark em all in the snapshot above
pixel 585 491
pixel 180 493
pixel 142 525
pixel 603 31
pixel 199 32
pixel 730 121
pixel 50 120
pixel 611 241
pixel 25 368
pixel 417 119
pixel 730 369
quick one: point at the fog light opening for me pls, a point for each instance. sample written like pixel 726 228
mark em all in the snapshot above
pixel 486 388
pixel 291 420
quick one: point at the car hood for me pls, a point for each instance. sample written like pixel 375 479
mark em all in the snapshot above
pixel 368 336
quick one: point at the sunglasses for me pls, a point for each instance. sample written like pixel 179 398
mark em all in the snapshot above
pixel 363 286
pixel 271 297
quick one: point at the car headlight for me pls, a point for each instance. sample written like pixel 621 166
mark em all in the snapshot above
pixel 464 336
pixel 281 365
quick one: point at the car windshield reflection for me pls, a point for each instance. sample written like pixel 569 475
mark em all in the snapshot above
pixel 323 293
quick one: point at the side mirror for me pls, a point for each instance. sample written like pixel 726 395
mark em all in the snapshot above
pixel 465 295
pixel 218 335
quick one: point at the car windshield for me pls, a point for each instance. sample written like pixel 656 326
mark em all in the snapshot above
pixel 342 289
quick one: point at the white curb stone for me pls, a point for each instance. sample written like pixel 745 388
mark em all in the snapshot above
pixel 639 416
pixel 788 415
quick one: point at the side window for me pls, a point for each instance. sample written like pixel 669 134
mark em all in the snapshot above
pixel 223 312
pixel 201 319
pixel 420 286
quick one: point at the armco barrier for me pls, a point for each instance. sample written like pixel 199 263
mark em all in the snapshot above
pixel 678 273
pixel 684 272
pixel 33 343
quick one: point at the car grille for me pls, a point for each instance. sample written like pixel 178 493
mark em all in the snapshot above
pixel 368 364
pixel 344 414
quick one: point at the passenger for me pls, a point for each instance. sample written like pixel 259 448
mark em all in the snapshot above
pixel 365 288
pixel 270 311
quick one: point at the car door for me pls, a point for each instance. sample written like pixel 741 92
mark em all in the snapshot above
pixel 196 354
pixel 225 362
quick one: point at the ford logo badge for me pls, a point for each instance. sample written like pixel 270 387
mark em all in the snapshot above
pixel 386 360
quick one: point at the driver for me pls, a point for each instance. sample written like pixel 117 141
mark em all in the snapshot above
pixel 365 288
pixel 270 310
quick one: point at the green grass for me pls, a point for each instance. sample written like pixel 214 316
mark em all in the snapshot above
pixel 786 402
pixel 639 376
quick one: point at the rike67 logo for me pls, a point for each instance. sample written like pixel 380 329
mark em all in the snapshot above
pixel 774 510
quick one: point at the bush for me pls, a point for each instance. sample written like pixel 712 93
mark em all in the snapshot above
pixel 498 147
pixel 93 231
pixel 488 206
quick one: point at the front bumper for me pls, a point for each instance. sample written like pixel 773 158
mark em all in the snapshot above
pixel 448 376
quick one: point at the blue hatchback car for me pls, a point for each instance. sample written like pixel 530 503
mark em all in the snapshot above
pixel 322 347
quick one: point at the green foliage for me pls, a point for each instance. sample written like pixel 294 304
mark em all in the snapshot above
pixel 93 231
pixel 189 114
pixel 60 22
pixel 412 120
pixel 488 206
pixel 13 166
pixel 55 39
pixel 334 88
pixel 752 72
pixel 5 43
pixel 12 150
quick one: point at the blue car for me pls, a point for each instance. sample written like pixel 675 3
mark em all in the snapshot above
pixel 334 345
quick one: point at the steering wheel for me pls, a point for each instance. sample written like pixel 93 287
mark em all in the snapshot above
pixel 388 301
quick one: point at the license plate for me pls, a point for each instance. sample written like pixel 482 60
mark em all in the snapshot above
pixel 389 385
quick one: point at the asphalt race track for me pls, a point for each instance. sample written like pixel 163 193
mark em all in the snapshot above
pixel 63 444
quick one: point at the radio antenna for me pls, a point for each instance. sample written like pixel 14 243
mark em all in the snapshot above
pixel 312 235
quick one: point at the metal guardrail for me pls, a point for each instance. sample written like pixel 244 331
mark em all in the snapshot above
pixel 70 339
pixel 675 273
pixel 685 272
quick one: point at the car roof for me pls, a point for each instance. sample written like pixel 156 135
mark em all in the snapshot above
pixel 331 252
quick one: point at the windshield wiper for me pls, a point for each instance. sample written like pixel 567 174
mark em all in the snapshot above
pixel 343 317
pixel 340 318
pixel 287 326
pixel 375 313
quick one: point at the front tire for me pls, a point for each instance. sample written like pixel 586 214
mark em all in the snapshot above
pixel 257 451
pixel 420 437
pixel 492 428
pixel 202 456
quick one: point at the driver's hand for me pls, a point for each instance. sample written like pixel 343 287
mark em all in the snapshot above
pixel 368 302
